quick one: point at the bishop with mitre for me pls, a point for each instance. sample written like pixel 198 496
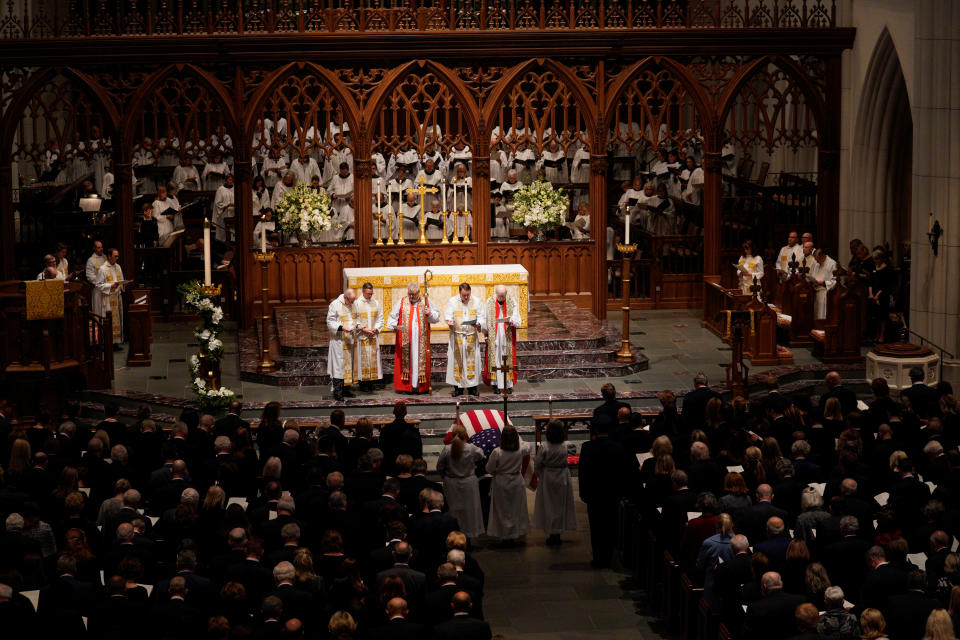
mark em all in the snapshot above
pixel 411 318
pixel 464 316
pixel 501 319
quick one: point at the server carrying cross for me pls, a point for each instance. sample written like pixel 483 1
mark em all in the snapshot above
pixel 423 191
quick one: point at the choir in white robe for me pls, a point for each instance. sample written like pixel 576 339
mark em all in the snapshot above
pixel 499 339
pixel 434 222
pixel 214 175
pixel 693 192
pixel 414 343
pixel 273 171
pixel 461 487
pixel 554 165
pixel 304 171
pixel 580 167
pixel 278 192
pixel 94 262
pixel 580 227
pixel 341 361
pixel 508 493
pixel 410 221
pixel 270 226
pixel 143 157
pixel 186 177
pixel 369 316
pixel 222 211
pixel 749 268
pixel 464 367
pixel 106 299
pixel 825 273
pixel 341 198
pixel 161 209
pixel 554 510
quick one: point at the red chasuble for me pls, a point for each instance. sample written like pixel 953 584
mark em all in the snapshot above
pixel 402 352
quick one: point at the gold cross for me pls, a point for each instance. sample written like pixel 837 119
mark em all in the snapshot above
pixel 423 191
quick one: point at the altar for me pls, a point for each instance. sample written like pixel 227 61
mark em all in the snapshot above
pixel 390 284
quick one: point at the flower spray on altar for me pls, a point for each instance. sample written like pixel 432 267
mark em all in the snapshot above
pixel 205 366
pixel 540 207
pixel 303 212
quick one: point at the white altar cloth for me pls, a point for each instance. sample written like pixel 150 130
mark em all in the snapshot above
pixel 390 284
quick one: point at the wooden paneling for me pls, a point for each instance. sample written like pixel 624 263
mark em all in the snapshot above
pixel 422 255
pixel 558 270
pixel 310 275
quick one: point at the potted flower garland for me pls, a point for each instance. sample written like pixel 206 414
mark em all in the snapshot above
pixel 205 366
pixel 540 207
pixel 302 212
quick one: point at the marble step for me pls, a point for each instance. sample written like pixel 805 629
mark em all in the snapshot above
pixel 550 345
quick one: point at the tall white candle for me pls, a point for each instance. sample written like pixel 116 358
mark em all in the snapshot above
pixel 379 182
pixel 626 226
pixel 443 197
pixel 263 236
pixel 207 276
pixel 455 186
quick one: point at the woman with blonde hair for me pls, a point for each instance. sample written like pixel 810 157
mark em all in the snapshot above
pixel 939 626
pixel 457 466
pixel 508 491
pixel 754 473
pixel 554 510
pixel 19 462
pixel 342 626
pixel 872 625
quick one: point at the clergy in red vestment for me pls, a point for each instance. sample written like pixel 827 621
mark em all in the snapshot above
pixel 411 319
pixel 500 324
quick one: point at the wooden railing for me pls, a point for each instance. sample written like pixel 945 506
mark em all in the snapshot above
pixel 41 19
pixel 666 273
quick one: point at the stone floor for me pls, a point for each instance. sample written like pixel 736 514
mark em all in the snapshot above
pixel 534 592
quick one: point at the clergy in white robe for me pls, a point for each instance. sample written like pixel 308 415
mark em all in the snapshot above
pixel 411 318
pixel 792 252
pixel 464 317
pixel 748 267
pixel 223 208
pixel 457 466
pixel 106 299
pixel 823 279
pixel 186 176
pixel 508 491
pixel 94 262
pixel 554 510
pixel 370 321
pixel 501 319
pixel 341 358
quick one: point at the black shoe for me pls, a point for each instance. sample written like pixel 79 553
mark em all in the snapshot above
pixel 117 347
pixel 457 391
pixel 496 390
pixel 473 391
pixel 347 393
pixel 338 397
pixel 510 391
pixel 553 540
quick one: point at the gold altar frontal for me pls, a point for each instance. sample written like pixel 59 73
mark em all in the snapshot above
pixel 390 284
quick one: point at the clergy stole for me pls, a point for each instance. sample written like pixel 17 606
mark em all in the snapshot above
pixel 405 324
pixel 112 274
pixel 348 320
pixel 495 311
pixel 465 342
pixel 368 347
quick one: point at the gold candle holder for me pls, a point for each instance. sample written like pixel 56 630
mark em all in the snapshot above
pixel 211 290
pixel 265 364
pixel 389 230
pixel 379 235
pixel 444 214
pixel 626 351
pixel 456 234
pixel 466 227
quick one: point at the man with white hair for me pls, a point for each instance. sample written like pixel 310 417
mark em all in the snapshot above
pixel 341 361
pixel 464 316
pixel 296 603
pixel 411 318
pixel 500 322
pixel 823 279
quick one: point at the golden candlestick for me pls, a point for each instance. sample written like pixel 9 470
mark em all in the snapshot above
pixel 211 290
pixel 444 214
pixel 466 227
pixel 265 364
pixel 626 351
pixel 456 234
pixel 423 191
pixel 390 229
pixel 379 235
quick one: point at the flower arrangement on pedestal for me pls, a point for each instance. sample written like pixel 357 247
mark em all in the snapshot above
pixel 303 211
pixel 205 366
pixel 539 206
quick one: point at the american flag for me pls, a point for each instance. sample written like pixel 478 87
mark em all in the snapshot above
pixel 483 430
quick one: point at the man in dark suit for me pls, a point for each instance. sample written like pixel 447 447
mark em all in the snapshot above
pixel 250 572
pixel 199 589
pixel 376 514
pixel 882 581
pixel 765 619
pixel 788 489
pixel 835 389
pixel 14 546
pixel 704 474
pixel 415 581
pixel 695 403
pixel 413 483
pixel 437 605
pixel 399 437
pixel 428 532
pixel 923 400
pixel 366 482
pixel 168 496
pixel 296 603
pixel 611 406
pixel 756 517
pixel 776 543
pixel 287 450
pixel 228 424
pixel 289 539
pixel 397 627
pixel 774 398
pixel 908 496
pixel 673 518
pixel 729 575
pixel 175 618
pixel 845 558
pixel 606 473
pixel 124 548
pixel 114 616
pixel 462 626
pixel 937 556
pixel 907 612
pixel 66 595
pixel 17 617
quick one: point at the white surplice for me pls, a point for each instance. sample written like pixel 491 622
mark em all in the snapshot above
pixel 754 268
pixel 825 273
pixel 94 262
pixel 341 316
pixel 369 316
pixel 106 299
pixel 222 211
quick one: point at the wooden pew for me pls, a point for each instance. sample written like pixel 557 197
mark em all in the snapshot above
pixel 760 343
pixel 798 304
pixel 839 338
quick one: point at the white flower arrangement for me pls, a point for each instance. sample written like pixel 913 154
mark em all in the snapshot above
pixel 539 205
pixel 303 210
pixel 211 346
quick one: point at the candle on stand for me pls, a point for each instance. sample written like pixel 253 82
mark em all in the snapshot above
pixel 379 181
pixel 457 421
pixel 443 197
pixel 263 236
pixel 626 226
pixel 207 276
pixel 455 196
pixel 550 407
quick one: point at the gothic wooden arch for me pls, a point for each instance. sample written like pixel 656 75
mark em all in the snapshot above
pixel 587 105
pixel 815 101
pixel 704 107
pixel 143 93
pixel 255 105
pixel 445 74
pixel 15 109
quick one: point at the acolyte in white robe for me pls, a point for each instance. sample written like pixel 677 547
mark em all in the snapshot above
pixel 787 255
pixel 414 344
pixel 466 340
pixel 461 487
pixel 754 268
pixel 222 211
pixel 106 299
pixel 369 316
pixel 825 273
pixel 341 363
pixel 508 493
pixel 499 343
pixel 554 510
pixel 94 262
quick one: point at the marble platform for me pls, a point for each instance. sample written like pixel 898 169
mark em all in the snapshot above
pixel 561 341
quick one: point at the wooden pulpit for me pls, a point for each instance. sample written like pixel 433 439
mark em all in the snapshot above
pixel 839 338
pixel 140 326
pixel 798 304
